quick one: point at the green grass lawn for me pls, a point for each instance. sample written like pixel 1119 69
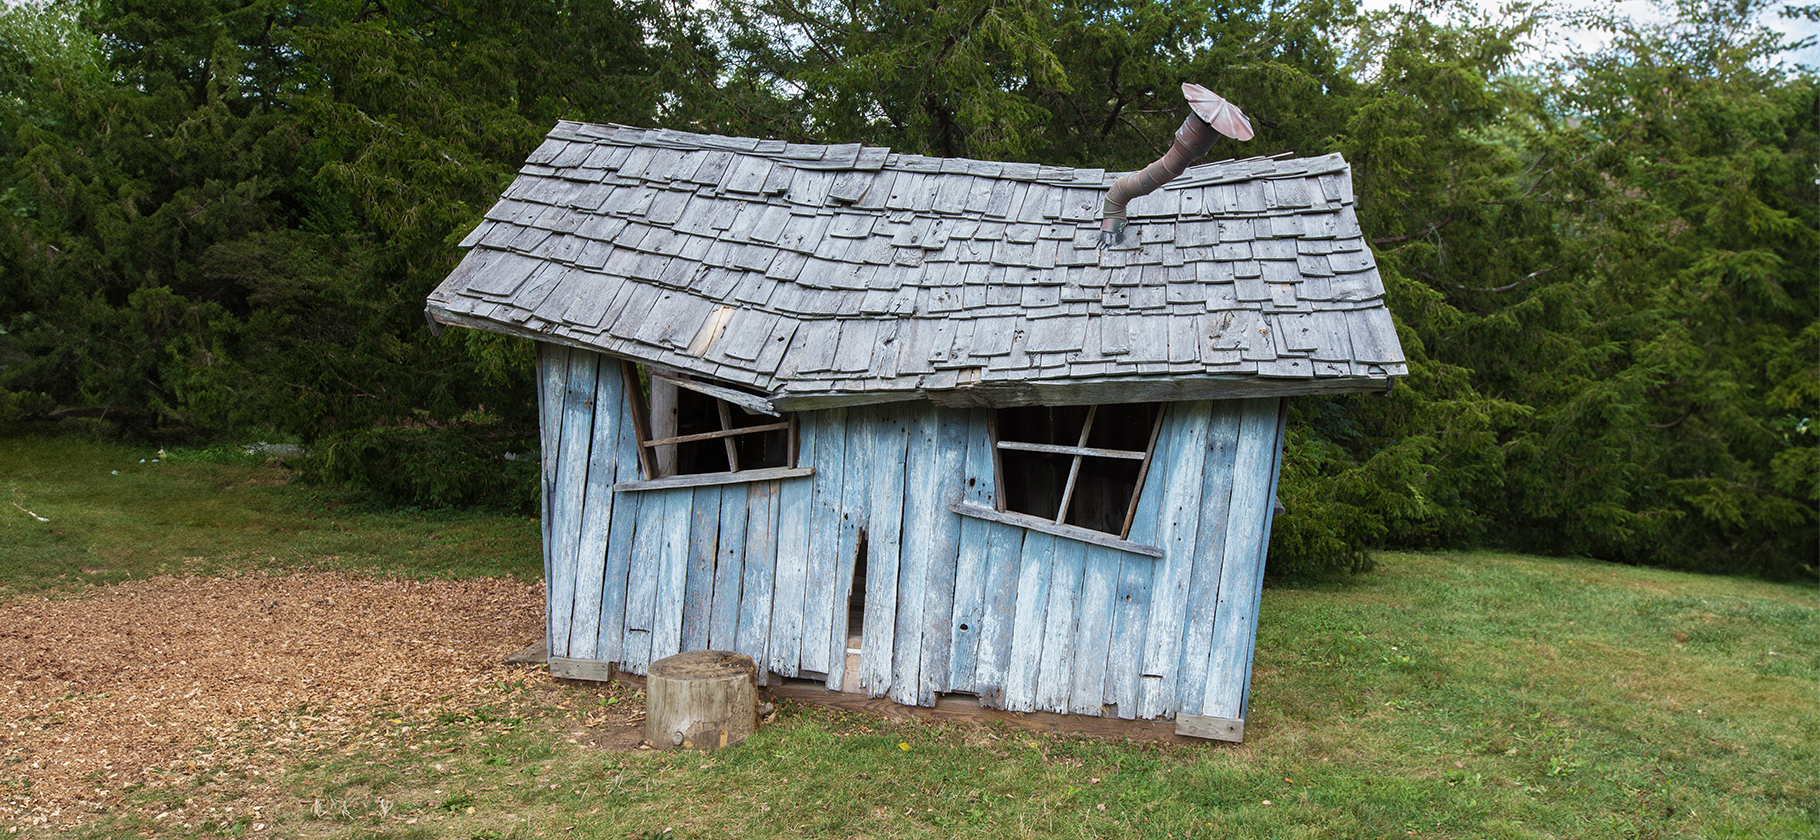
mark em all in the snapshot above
pixel 1443 695
pixel 116 512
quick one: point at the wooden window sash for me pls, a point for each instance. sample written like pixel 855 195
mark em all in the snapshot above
pixel 1077 453
pixel 724 433
pixel 641 425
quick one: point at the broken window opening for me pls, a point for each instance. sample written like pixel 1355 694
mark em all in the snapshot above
pixel 682 431
pixel 1076 465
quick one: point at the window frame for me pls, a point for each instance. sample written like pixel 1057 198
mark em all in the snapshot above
pixel 652 477
pixel 1077 452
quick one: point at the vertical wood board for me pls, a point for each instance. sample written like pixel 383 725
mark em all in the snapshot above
pixel 1029 621
pixel 1169 589
pixel 597 513
pixel 970 560
pixel 760 573
pixel 1217 483
pixel 885 541
pixel 729 570
pixel 1055 674
pixel 704 550
pixel 824 445
pixel 1242 572
pixel 789 600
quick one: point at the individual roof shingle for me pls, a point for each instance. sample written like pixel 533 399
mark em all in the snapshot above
pixel 846 274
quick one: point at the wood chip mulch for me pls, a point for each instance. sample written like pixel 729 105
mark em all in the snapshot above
pixel 122 687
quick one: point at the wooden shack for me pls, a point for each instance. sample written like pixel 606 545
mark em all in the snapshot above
pixel 902 426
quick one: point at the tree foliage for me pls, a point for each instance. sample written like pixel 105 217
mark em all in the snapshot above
pixel 222 217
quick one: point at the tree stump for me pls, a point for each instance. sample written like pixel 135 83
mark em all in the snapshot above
pixel 701 700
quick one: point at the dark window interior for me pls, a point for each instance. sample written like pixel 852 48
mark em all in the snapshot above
pixel 698 413
pixel 1103 487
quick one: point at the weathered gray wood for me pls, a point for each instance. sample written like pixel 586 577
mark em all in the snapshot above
pixel 1157 387
pixel 760 572
pixel 672 574
pixel 940 588
pixel 855 507
pixel 969 571
pixel 1276 475
pixel 1168 595
pixel 729 570
pixel 705 699
pixel 1024 664
pixel 1069 532
pixel 720 434
pixel 788 597
pixel 884 533
pixel 1055 675
pixel 1212 728
pixel 646 563
pixel 1242 563
pixel 1209 550
pixel 624 523
pixel 712 479
pixel 742 399
pixel 1054 449
pixel 553 374
pixel 698 587
pixel 563 667
pixel 597 511
pixel 921 506
pixel 1093 631
pixel 824 440
pixel 571 489
pixel 1004 547
pixel 1131 616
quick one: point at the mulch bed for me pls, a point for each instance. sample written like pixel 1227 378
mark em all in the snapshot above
pixel 125 685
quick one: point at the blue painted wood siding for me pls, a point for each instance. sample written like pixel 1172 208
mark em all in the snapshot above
pixel 1027 621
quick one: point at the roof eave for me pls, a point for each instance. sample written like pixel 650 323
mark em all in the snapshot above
pixel 998 393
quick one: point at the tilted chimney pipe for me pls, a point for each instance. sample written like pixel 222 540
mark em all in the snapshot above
pixel 1210 117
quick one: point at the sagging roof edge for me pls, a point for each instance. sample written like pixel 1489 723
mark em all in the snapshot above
pixel 998 394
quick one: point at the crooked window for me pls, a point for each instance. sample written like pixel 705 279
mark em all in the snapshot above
pixel 1079 466
pixel 692 428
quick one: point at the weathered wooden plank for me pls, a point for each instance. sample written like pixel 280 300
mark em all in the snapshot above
pixel 760 573
pixel 1169 590
pixel 970 552
pixel 788 600
pixel 596 512
pixel 1209 551
pixel 1068 532
pixel 712 479
pixel 729 570
pixel 1055 673
pixel 576 435
pixel 1124 662
pixel 646 564
pixel 698 587
pixel 1211 728
pixel 944 544
pixel 621 528
pixel 1276 475
pixel 673 574
pixel 824 442
pixel 552 379
pixel 1093 631
pixel 921 508
pixel 998 612
pixel 884 538
pixel 1028 622
pixel 855 506
pixel 581 669
pixel 1242 568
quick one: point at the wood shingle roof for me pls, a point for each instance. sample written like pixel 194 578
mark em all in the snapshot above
pixel 830 275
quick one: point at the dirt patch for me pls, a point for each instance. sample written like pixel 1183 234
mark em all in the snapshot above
pixel 106 691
